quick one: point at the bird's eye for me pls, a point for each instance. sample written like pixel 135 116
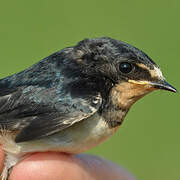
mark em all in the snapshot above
pixel 125 67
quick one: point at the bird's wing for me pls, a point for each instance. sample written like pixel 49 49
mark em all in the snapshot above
pixel 39 111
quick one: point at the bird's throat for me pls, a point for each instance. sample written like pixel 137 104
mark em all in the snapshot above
pixel 121 98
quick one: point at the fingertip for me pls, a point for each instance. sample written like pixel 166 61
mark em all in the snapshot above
pixel 48 166
pixel 60 166
pixel 2 157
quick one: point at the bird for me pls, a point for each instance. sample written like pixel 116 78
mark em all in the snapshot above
pixel 73 99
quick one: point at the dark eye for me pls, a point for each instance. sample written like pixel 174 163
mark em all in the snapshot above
pixel 125 67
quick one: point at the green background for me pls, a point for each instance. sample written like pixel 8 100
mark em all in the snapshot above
pixel 148 143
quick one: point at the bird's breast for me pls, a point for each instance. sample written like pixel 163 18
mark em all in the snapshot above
pixel 78 138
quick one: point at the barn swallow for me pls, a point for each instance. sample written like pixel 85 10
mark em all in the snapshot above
pixel 73 99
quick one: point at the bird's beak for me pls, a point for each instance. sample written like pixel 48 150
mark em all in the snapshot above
pixel 162 84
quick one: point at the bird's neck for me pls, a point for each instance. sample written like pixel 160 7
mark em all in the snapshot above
pixel 121 98
pixel 114 116
pixel 113 111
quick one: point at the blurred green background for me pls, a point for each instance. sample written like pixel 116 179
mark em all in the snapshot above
pixel 148 143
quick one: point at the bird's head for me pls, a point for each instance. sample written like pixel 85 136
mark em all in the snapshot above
pixel 133 74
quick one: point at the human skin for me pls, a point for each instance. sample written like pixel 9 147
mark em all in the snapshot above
pixel 60 166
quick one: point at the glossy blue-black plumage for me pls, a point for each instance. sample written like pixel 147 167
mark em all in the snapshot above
pixel 64 88
pixel 39 100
